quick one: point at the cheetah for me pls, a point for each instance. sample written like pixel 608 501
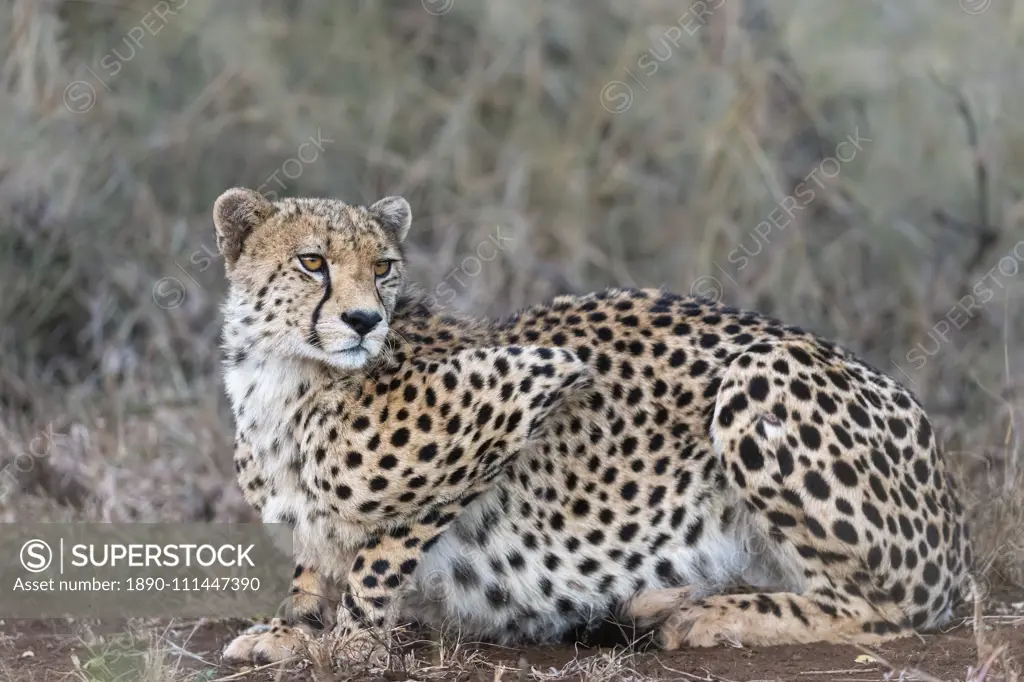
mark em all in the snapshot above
pixel 705 474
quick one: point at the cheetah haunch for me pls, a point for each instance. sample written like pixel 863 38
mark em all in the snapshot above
pixel 627 455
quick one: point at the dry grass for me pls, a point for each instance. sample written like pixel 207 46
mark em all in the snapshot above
pixel 501 116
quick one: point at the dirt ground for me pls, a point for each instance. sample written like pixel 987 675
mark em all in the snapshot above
pixel 41 651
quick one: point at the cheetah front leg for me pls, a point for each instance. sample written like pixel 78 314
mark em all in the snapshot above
pixel 765 619
pixel 371 608
pixel 305 604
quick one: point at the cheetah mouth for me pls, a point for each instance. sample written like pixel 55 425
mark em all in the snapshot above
pixel 349 353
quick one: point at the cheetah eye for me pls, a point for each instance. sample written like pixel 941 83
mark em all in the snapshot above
pixel 382 268
pixel 312 262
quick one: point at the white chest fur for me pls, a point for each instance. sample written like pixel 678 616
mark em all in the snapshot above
pixel 265 394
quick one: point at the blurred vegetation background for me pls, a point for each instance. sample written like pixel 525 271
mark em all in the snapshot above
pixel 614 142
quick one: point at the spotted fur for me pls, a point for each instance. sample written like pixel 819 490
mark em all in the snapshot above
pixel 627 455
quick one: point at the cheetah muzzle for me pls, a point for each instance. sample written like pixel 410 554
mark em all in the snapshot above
pixel 626 455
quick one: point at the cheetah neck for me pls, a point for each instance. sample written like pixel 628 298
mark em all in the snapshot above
pixel 257 378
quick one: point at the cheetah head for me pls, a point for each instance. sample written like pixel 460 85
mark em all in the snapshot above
pixel 312 278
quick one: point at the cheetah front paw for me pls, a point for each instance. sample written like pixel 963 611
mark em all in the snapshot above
pixel 263 644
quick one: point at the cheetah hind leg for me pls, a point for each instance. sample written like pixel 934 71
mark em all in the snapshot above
pixel 824 587
pixel 762 619
pixel 307 614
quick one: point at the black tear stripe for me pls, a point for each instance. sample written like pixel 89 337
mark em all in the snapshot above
pixel 314 338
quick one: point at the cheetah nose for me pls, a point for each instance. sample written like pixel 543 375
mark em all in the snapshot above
pixel 362 321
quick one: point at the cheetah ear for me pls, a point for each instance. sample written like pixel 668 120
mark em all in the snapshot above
pixel 236 213
pixel 394 214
